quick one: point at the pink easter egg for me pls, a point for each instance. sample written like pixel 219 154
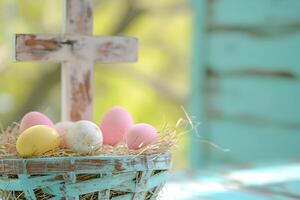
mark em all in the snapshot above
pixel 140 135
pixel 62 129
pixel 115 125
pixel 34 118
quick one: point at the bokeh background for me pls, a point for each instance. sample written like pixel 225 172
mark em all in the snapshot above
pixel 233 64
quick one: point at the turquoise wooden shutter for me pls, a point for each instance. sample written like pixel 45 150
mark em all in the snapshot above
pixel 245 87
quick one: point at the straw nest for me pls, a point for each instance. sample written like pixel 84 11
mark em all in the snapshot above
pixel 169 136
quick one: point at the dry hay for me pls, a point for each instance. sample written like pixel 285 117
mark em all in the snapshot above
pixel 169 136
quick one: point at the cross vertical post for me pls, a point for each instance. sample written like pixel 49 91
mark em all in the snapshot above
pixel 77 75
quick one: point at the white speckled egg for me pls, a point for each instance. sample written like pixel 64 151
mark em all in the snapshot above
pixel 84 136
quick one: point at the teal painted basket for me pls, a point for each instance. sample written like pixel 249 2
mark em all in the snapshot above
pixel 90 177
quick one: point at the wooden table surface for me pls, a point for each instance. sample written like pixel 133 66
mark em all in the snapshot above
pixel 274 182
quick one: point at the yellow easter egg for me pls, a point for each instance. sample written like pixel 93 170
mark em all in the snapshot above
pixel 37 140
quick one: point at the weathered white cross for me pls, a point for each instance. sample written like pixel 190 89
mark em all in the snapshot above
pixel 77 50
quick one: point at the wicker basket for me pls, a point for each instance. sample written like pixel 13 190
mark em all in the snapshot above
pixel 90 177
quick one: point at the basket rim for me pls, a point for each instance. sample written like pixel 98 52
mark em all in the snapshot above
pixel 85 164
pixel 84 157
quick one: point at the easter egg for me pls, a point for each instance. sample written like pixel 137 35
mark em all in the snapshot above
pixel 115 124
pixel 37 140
pixel 34 118
pixel 62 129
pixel 140 135
pixel 84 136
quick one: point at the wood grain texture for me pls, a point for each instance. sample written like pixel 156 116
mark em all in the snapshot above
pixel 197 98
pixel 250 143
pixel 141 185
pixel 99 184
pixel 255 12
pixel 54 48
pixel 78 17
pixel 256 117
pixel 77 90
pixel 151 181
pixel 258 100
pixel 77 77
pixel 94 164
pixel 104 195
pixel 246 55
pixel 237 52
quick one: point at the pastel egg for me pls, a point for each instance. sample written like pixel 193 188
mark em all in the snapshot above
pixel 84 136
pixel 115 124
pixel 37 140
pixel 34 118
pixel 62 129
pixel 140 135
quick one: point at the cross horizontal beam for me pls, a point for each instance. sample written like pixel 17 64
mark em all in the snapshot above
pixel 60 48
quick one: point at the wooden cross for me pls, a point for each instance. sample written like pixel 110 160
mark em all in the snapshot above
pixel 76 50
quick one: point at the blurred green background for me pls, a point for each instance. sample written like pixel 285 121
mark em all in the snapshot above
pixel 153 89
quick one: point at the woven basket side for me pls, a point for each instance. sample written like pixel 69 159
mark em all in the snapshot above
pixel 137 178
pixel 135 185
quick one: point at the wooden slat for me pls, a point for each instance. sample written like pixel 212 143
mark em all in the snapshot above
pixel 77 90
pixel 27 188
pixel 198 76
pixel 121 182
pixel 94 185
pixel 104 49
pixel 142 184
pixel 255 12
pixel 11 184
pixel 156 180
pixel 70 179
pixel 250 143
pixel 77 77
pixel 78 17
pixel 235 53
pixel 104 195
pixel 156 192
pixel 123 197
pixel 11 166
pixel 56 198
pixel 44 181
pixel 95 164
pixel 261 100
